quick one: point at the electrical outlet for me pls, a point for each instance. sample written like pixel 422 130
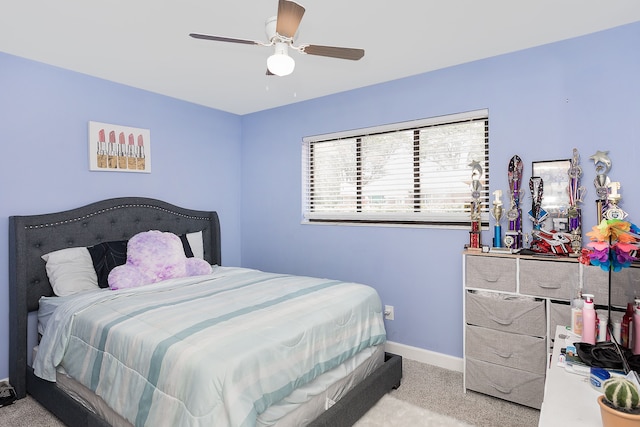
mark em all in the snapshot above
pixel 388 312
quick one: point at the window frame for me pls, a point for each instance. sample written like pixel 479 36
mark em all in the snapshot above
pixel 460 219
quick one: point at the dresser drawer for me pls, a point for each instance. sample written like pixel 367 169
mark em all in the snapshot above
pixel 625 285
pixel 535 278
pixel 521 315
pixel 503 348
pixel 518 386
pixel 560 316
pixel 491 273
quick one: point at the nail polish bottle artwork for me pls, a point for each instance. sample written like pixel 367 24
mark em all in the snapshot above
pixel 102 154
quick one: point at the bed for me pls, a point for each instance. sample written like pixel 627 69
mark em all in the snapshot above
pixel 344 399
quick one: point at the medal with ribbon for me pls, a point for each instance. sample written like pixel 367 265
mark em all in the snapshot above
pixel 537 214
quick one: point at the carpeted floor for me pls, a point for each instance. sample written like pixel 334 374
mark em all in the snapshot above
pixel 440 390
pixel 27 413
pixel 393 412
pixel 429 396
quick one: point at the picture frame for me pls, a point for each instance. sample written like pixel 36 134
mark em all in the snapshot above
pixel 555 195
pixel 115 148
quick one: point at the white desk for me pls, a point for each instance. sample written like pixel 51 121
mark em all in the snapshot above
pixel 569 400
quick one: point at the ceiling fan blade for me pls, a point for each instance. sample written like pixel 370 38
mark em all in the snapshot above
pixel 333 52
pixel 289 16
pixel 222 39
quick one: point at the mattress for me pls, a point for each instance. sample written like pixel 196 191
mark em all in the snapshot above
pixel 223 347
pixel 299 409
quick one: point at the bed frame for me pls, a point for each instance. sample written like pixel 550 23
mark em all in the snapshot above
pixel 118 219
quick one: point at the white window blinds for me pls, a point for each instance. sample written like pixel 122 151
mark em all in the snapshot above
pixel 412 172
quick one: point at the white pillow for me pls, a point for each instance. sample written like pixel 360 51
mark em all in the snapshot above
pixel 70 271
pixel 195 241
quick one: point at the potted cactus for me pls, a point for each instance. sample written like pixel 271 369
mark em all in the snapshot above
pixel 620 403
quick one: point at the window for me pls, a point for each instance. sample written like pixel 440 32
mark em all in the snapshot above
pixel 415 172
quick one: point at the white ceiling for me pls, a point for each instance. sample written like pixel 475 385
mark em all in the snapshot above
pixel 145 43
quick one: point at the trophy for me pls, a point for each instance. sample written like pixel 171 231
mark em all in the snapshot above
pixel 576 195
pixel 476 192
pixel 601 182
pixel 513 236
pixel 613 211
pixel 496 213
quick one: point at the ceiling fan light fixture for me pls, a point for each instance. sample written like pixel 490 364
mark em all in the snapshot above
pixel 282 31
pixel 280 63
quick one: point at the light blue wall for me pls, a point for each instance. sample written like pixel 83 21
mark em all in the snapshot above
pixel 44 115
pixel 543 102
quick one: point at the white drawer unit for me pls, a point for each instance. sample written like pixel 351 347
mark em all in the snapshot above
pixel 512 304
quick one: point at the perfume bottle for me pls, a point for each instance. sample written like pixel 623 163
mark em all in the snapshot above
pixel 576 315
pixel 588 320
pixel 603 321
pixel 576 306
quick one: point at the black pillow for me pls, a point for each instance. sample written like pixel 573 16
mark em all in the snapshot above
pixel 187 247
pixel 106 256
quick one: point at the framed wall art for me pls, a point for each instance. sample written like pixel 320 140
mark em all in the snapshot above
pixel 114 148
pixel 555 198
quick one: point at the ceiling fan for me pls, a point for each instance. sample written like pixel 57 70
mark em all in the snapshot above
pixel 281 31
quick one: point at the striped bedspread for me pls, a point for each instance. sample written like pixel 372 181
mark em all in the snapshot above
pixel 210 350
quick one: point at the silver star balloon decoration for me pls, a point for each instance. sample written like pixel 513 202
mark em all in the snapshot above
pixel 602 162
pixel 476 169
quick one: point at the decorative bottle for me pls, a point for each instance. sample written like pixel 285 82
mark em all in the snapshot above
pixel 603 333
pixel 616 330
pixel 636 330
pixel 626 328
pixel 576 316
pixel 588 320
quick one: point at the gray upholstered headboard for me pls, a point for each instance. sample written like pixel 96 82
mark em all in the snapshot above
pixel 32 236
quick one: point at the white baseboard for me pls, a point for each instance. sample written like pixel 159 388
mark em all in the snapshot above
pixel 425 356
